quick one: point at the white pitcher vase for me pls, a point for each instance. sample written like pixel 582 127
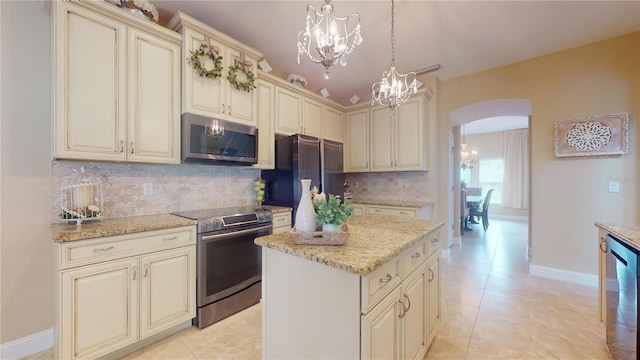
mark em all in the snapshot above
pixel 306 214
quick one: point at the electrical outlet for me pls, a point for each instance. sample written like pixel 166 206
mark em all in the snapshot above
pixel 614 186
pixel 147 189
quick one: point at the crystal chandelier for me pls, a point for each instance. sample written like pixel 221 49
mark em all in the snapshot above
pixel 327 38
pixel 467 159
pixel 394 88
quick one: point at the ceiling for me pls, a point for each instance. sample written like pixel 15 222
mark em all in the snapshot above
pixel 463 36
pixel 495 124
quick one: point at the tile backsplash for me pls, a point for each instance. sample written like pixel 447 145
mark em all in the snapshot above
pixel 175 187
pixel 395 186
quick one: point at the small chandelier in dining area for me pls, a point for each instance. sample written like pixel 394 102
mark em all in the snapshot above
pixel 327 38
pixel 467 159
pixel 394 88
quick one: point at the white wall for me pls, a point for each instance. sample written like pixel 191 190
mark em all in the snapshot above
pixel 25 165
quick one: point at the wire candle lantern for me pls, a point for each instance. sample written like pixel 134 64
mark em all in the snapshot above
pixel 81 198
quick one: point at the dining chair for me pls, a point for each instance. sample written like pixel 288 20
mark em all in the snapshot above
pixel 484 212
pixel 464 212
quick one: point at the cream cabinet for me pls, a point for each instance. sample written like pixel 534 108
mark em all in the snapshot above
pixel 266 122
pixel 391 313
pixel 216 98
pixel 392 210
pixel 399 143
pixel 298 114
pixel 333 125
pixel 281 222
pixel 115 291
pixel 116 86
pixel 356 149
pixel 288 111
pixel 358 209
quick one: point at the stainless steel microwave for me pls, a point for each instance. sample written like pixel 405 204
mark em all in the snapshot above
pixel 214 141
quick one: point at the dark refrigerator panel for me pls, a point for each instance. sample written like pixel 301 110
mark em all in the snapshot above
pixel 332 168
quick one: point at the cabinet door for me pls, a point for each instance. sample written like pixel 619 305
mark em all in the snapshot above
pixel 381 329
pixel 312 112
pixel 433 281
pixel 358 209
pixel 409 139
pixel 201 95
pixel 333 127
pixel 241 106
pixel 167 289
pixel 266 138
pixel 153 99
pixel 414 327
pixel 90 85
pixel 99 308
pixel 382 153
pixel 356 155
pixel 288 111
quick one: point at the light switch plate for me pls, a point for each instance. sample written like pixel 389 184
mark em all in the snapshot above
pixel 614 186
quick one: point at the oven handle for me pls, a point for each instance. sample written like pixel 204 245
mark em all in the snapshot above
pixel 235 233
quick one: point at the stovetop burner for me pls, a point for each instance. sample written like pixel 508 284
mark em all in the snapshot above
pixel 224 218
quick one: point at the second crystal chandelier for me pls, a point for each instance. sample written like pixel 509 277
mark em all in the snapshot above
pixel 326 38
pixel 394 88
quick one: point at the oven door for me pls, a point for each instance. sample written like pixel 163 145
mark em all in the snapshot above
pixel 228 262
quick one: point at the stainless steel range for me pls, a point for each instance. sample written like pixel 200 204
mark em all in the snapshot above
pixel 229 264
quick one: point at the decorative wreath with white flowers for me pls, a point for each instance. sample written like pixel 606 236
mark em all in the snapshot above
pixel 247 85
pixel 212 53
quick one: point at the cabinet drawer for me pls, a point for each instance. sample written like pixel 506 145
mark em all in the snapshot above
pixel 388 210
pixel 379 283
pixel 413 257
pixel 433 244
pixel 281 219
pixel 84 252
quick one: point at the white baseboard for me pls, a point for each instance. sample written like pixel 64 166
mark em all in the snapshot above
pixel 564 275
pixel 509 217
pixel 27 345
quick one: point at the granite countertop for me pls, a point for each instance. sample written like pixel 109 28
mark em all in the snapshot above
pixel 277 209
pixel 628 233
pixel 401 203
pixel 373 241
pixel 119 226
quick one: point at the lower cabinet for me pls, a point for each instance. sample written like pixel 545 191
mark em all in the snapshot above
pixel 423 212
pixel 116 300
pixel 281 222
pixel 392 313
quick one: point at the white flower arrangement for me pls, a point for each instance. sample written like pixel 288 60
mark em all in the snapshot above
pixel 297 80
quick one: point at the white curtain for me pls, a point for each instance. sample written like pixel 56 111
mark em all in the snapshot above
pixel 515 182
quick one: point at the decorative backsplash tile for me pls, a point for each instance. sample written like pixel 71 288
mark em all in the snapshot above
pixel 175 187
pixel 394 186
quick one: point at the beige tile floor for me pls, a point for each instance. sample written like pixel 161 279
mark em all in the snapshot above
pixel 492 308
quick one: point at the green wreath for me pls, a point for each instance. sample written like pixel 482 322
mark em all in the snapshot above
pixel 197 64
pixel 247 85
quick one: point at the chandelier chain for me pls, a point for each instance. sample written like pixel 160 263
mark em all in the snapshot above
pixel 393 47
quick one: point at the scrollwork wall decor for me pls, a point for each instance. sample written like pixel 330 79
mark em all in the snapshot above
pixel 592 136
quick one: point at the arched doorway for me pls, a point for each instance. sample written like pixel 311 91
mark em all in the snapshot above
pixel 468 114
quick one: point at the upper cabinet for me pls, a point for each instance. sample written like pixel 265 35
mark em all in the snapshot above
pixel 399 143
pixel 377 142
pixel 266 136
pixel 356 149
pixel 216 96
pixel 298 111
pixel 117 86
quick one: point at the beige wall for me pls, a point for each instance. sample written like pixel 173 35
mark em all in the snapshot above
pixel 569 194
pixel 26 262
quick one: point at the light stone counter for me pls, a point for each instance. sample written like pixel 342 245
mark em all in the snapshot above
pixel 373 241
pixel 630 234
pixel 277 209
pixel 400 203
pixel 111 227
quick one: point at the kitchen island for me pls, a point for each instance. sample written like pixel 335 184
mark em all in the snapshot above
pixel 376 296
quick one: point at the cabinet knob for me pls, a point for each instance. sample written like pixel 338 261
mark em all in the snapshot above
pixel 132 147
pixel 146 270
pixel 135 272
pixel 121 146
pixel 222 108
pixel 229 110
